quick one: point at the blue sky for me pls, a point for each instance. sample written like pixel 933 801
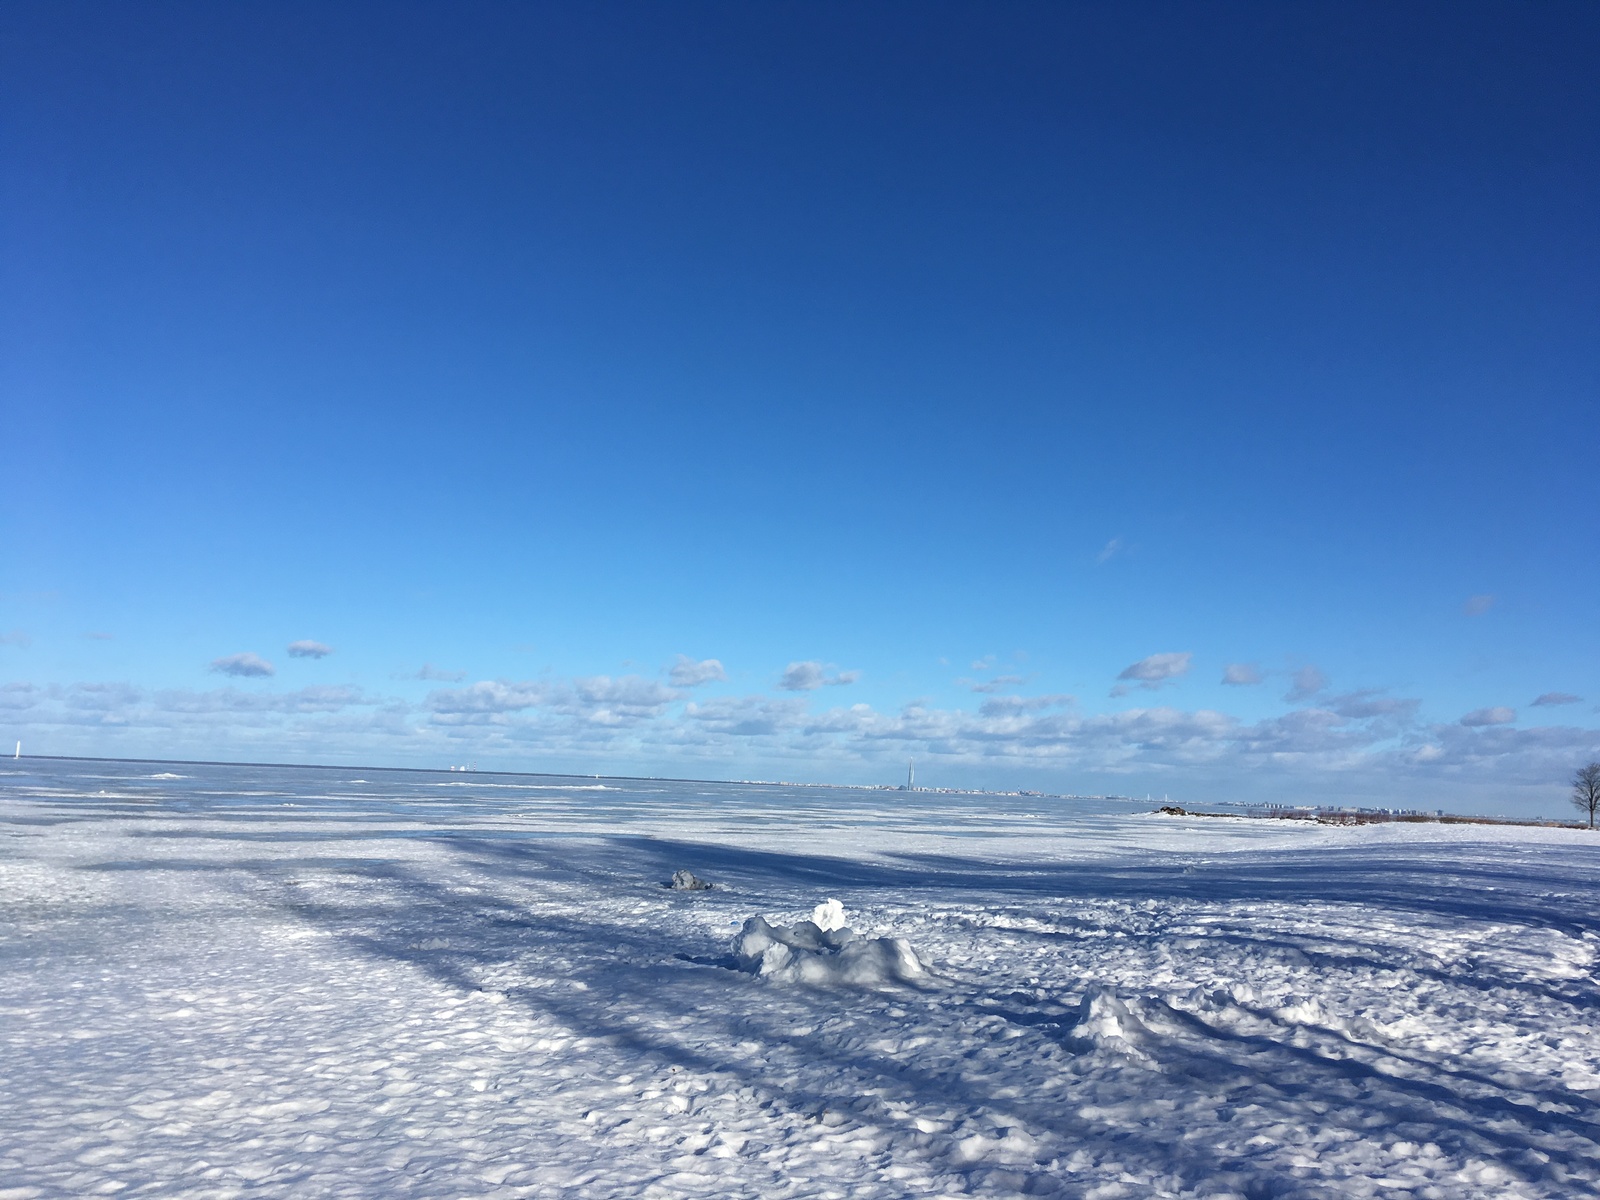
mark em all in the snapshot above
pixel 1008 373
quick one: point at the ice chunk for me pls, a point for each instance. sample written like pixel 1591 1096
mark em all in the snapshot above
pixel 757 936
pixel 753 941
pixel 807 953
pixel 828 915
pixel 688 881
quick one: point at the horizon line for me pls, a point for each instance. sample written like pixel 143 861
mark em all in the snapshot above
pixel 219 762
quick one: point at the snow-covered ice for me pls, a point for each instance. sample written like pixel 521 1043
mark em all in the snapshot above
pixel 303 983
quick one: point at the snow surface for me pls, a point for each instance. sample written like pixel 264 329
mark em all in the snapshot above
pixel 301 983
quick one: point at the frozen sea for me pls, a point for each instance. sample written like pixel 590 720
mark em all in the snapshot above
pixel 292 982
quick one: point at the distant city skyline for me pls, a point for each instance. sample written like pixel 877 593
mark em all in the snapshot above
pixel 1090 399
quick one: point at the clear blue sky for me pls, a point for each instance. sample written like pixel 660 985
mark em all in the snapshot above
pixel 1084 354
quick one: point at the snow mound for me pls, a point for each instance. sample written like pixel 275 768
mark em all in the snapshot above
pixel 824 950
pixel 1107 1022
pixel 688 881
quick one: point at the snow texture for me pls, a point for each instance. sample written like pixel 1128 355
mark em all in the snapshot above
pixel 263 982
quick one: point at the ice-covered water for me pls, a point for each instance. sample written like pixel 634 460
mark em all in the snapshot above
pixel 295 982
pixel 542 804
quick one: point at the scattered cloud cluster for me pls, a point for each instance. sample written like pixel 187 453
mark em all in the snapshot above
pixel 309 649
pixel 809 676
pixel 1366 733
pixel 243 666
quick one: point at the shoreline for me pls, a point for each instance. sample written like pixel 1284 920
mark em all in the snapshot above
pixel 1337 817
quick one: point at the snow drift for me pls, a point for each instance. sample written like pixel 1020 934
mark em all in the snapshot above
pixel 825 950
pixel 1105 1021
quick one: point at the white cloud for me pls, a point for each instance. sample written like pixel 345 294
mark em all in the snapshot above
pixel 18 695
pixel 998 683
pixel 99 637
pixel 1476 606
pixel 687 673
pixel 599 697
pixel 1550 699
pixel 1497 756
pixel 324 699
pixel 1307 733
pixel 746 716
pixel 243 665
pixel 1306 682
pixel 1489 716
pixel 115 700
pixel 1109 551
pixel 488 696
pixel 1370 703
pixel 809 676
pixel 1005 706
pixel 802 677
pixel 1156 670
pixel 986 663
pixel 125 703
pixel 433 674
pixel 594 700
pixel 15 638
pixel 309 649
pixel 1241 674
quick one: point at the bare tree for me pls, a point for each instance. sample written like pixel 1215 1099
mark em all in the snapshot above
pixel 1586 790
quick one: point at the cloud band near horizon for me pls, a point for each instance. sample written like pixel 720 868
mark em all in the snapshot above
pixel 1363 740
